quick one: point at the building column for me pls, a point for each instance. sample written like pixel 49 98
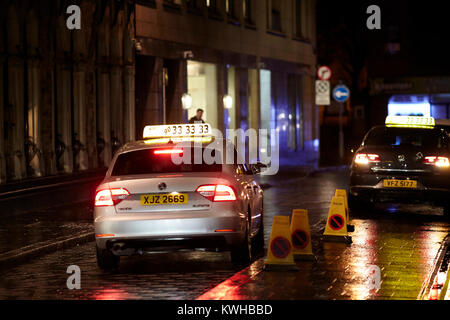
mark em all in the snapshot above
pixel 16 155
pixel 34 145
pixel 130 116
pixel 64 119
pixel 116 106
pixel 2 128
pixel 91 116
pixel 79 120
pixel 104 118
pixel 253 99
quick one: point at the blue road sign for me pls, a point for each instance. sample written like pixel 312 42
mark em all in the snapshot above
pixel 341 93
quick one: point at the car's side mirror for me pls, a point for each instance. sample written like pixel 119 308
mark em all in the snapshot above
pixel 256 168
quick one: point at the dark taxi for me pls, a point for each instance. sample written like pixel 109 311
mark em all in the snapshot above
pixel 406 160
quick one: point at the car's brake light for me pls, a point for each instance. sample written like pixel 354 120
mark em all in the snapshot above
pixel 442 162
pixel 167 151
pixel 110 197
pixel 366 158
pixel 217 193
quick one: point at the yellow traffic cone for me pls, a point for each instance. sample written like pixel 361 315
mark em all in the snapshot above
pixel 343 193
pixel 301 235
pixel 279 253
pixel 336 227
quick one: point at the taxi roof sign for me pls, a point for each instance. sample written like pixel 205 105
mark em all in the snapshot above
pixel 410 122
pixel 177 130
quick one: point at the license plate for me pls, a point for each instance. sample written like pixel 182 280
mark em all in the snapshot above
pixel 164 199
pixel 400 183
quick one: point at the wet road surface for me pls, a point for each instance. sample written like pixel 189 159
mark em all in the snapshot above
pixel 401 240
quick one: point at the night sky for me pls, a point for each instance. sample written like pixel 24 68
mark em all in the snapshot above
pixel 422 29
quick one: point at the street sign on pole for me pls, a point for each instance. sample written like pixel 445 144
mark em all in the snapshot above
pixel 324 73
pixel 341 93
pixel 322 93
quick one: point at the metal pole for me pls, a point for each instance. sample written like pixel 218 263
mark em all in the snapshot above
pixel 341 132
pixel 164 73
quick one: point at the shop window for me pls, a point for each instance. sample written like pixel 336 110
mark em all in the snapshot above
pixel 202 86
pixel 275 16
pixel 213 9
pixel 230 8
pixel 247 11
pixel 298 19
pixel 172 5
pixel 147 3
pixel 193 6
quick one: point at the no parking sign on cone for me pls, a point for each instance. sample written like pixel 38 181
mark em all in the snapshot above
pixel 336 227
pixel 301 235
pixel 279 253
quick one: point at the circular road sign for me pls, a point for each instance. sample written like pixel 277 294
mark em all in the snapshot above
pixel 280 247
pixel 324 73
pixel 300 239
pixel 336 222
pixel 341 93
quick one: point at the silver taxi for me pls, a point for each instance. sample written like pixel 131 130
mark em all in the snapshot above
pixel 147 202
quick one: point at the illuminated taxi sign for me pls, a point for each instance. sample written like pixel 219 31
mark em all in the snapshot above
pixel 158 141
pixel 410 122
pixel 177 130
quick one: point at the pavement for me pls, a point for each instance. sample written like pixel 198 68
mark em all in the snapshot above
pixel 402 241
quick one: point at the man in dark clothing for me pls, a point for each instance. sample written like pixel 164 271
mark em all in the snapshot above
pixel 198 117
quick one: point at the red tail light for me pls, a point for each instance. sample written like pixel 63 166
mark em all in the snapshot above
pixel 366 158
pixel 167 151
pixel 110 197
pixel 442 162
pixel 217 192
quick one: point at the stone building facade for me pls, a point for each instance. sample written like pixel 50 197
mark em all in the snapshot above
pixel 66 97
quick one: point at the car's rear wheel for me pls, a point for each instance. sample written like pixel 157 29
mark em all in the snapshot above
pixel 242 253
pixel 106 260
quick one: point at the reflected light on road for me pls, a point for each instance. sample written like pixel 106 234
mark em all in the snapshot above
pixel 361 268
pixel 230 288
pixel 113 294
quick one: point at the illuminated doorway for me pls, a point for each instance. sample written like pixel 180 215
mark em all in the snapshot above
pixel 202 86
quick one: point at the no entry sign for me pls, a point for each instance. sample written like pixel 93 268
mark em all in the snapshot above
pixel 300 239
pixel 336 222
pixel 280 247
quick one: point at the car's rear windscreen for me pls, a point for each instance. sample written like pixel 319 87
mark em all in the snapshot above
pixel 408 137
pixel 147 162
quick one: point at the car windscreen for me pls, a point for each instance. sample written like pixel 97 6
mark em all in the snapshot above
pixel 147 162
pixel 410 137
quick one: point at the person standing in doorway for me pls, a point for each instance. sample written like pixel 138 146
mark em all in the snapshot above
pixel 198 117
